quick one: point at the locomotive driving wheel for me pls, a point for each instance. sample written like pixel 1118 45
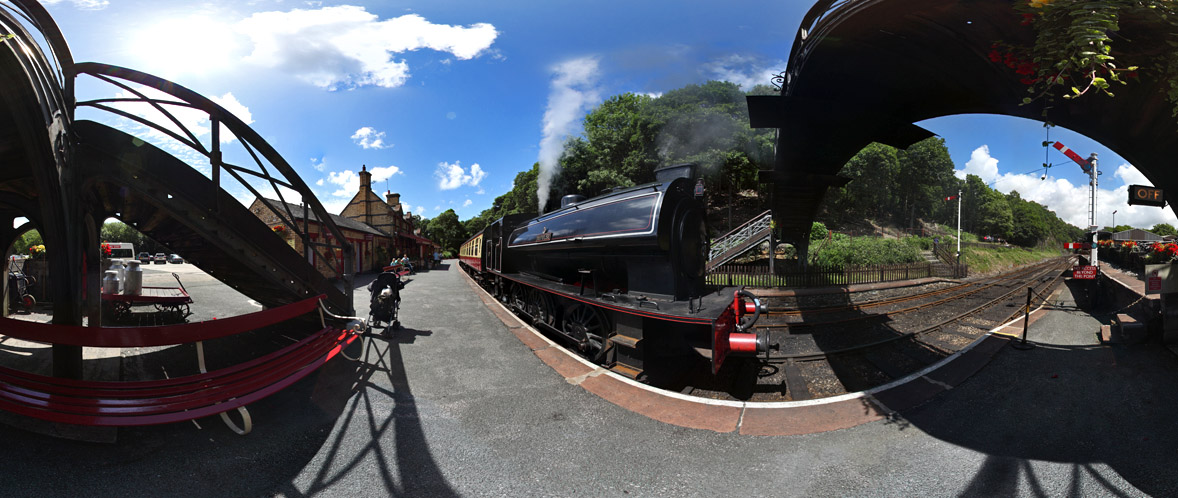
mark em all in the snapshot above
pixel 540 307
pixel 516 297
pixel 590 328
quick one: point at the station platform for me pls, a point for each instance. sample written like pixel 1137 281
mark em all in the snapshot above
pixel 457 405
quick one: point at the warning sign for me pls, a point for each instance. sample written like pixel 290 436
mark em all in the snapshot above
pixel 1084 272
pixel 1153 283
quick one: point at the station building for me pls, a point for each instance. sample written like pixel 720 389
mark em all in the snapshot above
pixel 379 230
pixel 389 217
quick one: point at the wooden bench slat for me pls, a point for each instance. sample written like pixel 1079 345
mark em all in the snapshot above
pixel 54 411
pixel 163 335
pixel 209 389
pixel 73 387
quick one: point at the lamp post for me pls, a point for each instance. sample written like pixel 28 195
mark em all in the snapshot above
pixel 1114 220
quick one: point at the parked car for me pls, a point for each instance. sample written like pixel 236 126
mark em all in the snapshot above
pixel 145 257
pixel 175 259
pixel 161 258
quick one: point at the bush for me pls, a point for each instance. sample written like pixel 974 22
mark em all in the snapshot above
pixel 842 252
pixel 818 231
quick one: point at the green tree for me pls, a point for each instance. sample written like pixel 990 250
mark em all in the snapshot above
pixel 28 239
pixel 924 177
pixel 869 193
pixel 447 230
pixel 994 215
pixel 1164 229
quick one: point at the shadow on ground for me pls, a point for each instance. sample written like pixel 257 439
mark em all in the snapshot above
pixel 313 435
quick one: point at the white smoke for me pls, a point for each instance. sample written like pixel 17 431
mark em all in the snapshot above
pixel 573 91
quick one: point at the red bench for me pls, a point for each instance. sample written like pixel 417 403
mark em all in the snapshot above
pixel 400 270
pixel 149 402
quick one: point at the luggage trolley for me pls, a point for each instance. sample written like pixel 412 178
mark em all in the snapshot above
pixel 171 303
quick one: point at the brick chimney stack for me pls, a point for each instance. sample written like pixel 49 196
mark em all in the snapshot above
pixel 394 200
pixel 365 178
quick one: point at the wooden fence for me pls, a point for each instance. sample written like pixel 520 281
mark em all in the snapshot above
pixel 759 275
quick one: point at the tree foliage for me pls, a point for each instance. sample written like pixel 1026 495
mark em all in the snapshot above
pixel 628 136
pixel 903 186
pixel 447 230
pixel 1164 229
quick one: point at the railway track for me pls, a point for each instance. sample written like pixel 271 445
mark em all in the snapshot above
pixel 831 350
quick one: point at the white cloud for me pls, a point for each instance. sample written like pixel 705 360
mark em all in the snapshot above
pixel 345 46
pixel 981 164
pixel 195 121
pixel 573 90
pixel 744 70
pixel 452 176
pixel 348 182
pixel 318 164
pixel 82 4
pixel 369 138
pixel 382 173
pixel 1070 202
pixel 467 203
pixel 438 208
pixel 320 182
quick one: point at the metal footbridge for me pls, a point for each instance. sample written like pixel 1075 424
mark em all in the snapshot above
pixel 175 185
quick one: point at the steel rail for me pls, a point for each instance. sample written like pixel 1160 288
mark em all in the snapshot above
pixel 998 281
pixel 906 335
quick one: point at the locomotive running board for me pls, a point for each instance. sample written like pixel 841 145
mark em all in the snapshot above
pixel 626 370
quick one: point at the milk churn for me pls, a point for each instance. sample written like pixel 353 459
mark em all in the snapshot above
pixel 110 282
pixel 133 282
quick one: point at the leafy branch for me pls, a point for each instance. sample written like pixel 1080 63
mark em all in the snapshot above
pixel 1073 53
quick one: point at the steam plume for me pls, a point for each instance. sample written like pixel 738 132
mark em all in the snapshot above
pixel 573 90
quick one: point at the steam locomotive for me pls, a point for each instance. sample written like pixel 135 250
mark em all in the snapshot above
pixel 619 277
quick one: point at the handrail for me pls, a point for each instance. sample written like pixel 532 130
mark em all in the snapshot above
pixel 114 337
pixel 741 234
pixel 55 56
pixel 254 145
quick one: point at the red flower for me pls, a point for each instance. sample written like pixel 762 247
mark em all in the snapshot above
pixel 1027 18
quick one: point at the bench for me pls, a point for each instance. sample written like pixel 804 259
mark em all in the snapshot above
pixel 400 270
pixel 150 402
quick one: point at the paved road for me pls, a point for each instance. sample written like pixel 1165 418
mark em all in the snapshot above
pixel 455 406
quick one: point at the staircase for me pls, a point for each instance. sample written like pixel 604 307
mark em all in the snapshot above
pixel 174 204
pixel 744 237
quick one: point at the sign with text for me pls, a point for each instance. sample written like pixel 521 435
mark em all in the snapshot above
pixel 1084 272
pixel 1077 245
pixel 1146 196
pixel 1160 279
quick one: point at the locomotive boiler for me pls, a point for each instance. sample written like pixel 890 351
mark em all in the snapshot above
pixel 621 276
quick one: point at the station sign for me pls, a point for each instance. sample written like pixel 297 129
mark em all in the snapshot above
pixel 1146 196
pixel 1084 272
pixel 1078 245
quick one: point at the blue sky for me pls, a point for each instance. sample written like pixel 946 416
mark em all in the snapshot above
pixel 446 101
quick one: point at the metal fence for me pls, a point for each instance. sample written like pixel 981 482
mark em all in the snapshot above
pixel 760 276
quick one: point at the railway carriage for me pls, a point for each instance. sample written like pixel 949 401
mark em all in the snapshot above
pixel 620 277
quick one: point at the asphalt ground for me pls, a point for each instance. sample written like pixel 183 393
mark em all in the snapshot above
pixel 455 405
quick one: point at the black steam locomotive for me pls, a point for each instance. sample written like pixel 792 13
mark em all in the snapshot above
pixel 620 276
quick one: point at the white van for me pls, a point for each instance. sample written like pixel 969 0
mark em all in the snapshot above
pixel 123 250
